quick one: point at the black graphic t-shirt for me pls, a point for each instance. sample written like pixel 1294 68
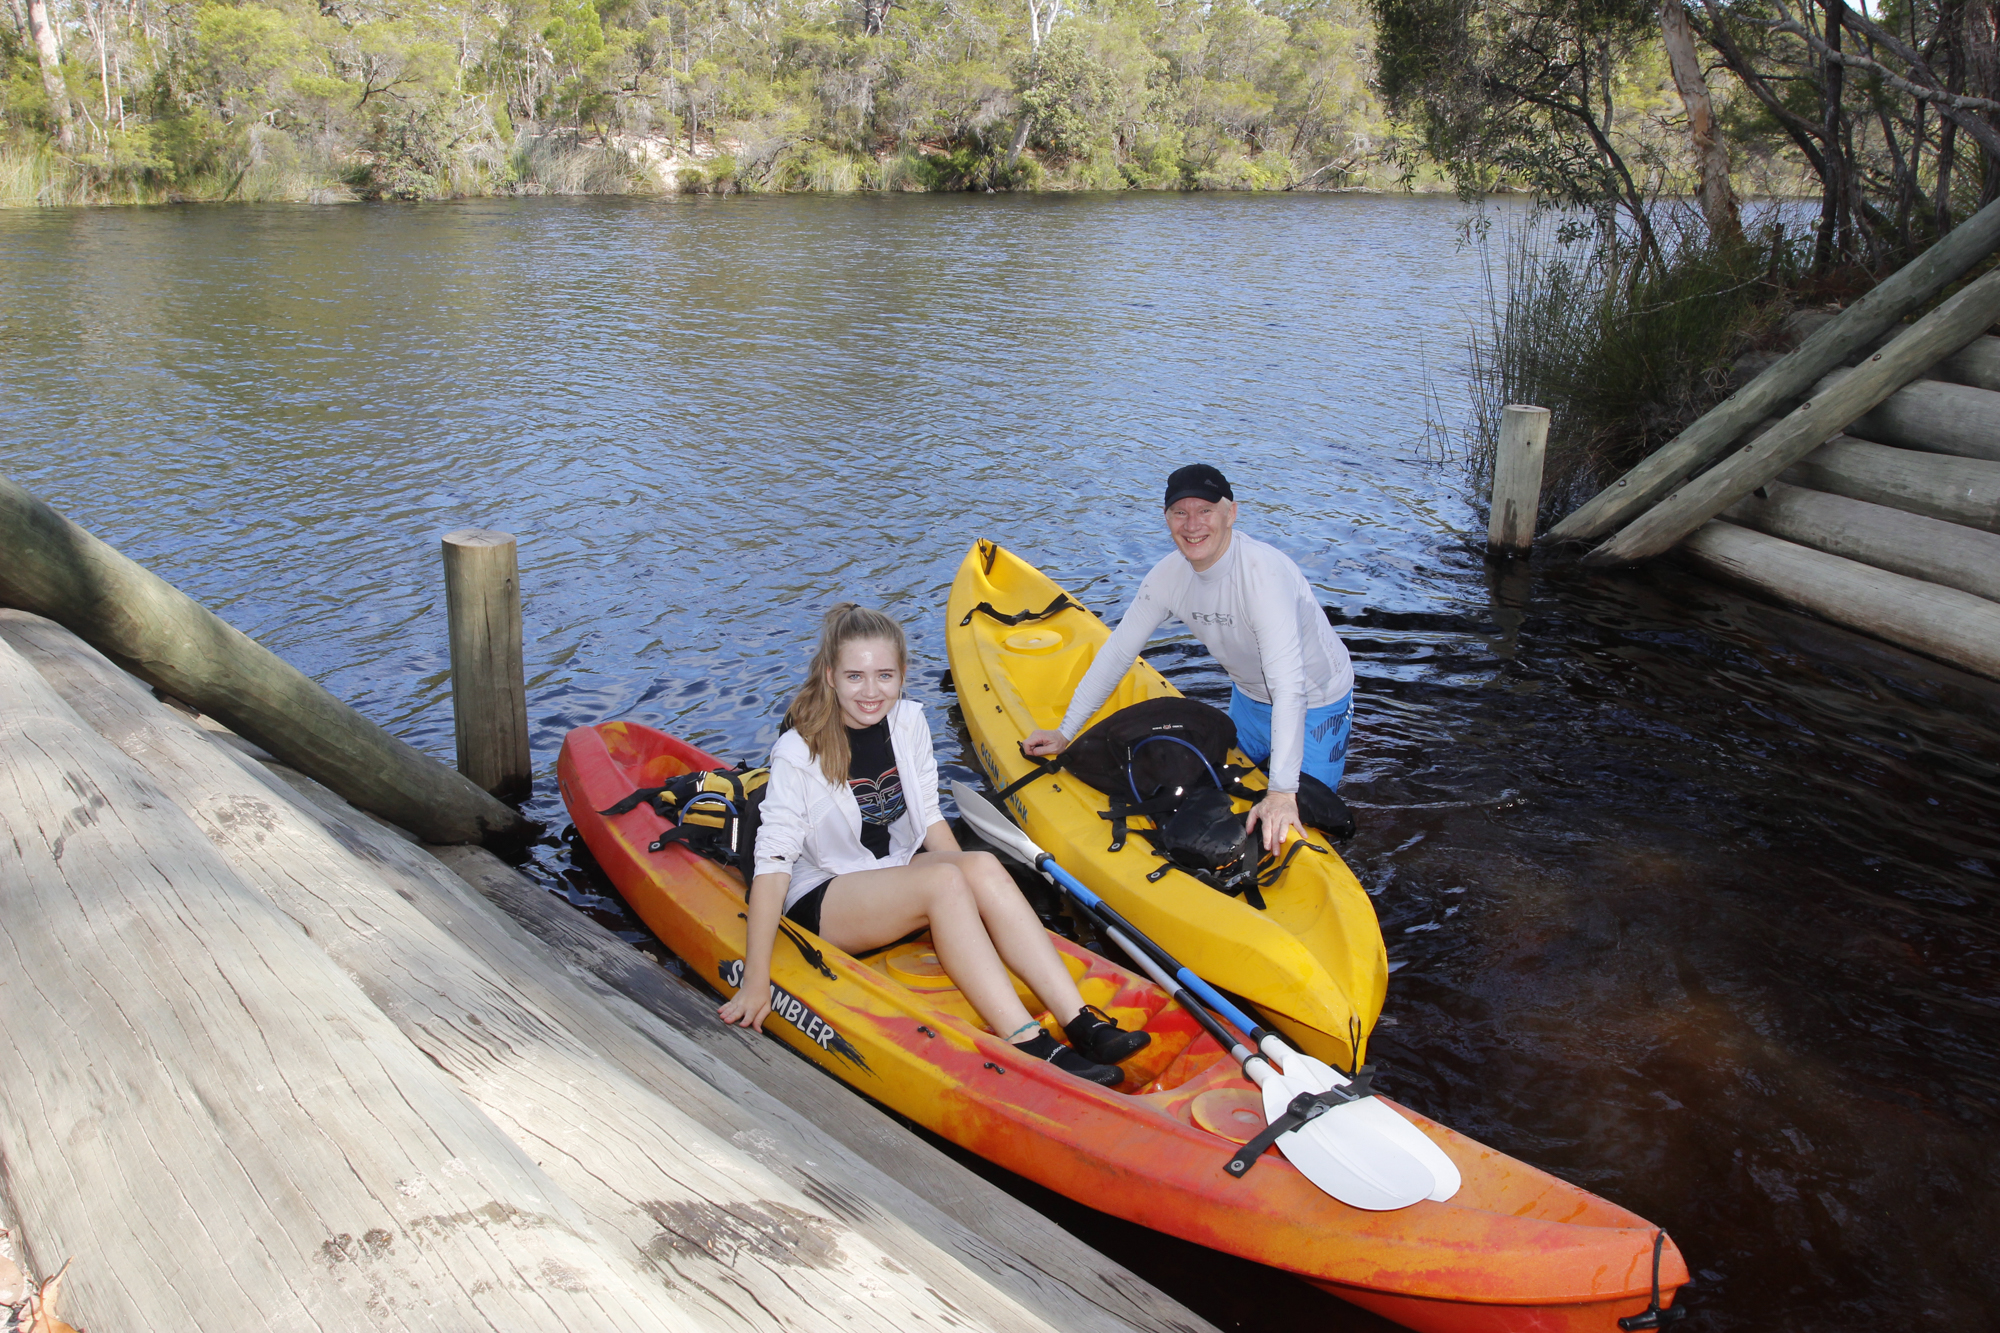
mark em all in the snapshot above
pixel 878 790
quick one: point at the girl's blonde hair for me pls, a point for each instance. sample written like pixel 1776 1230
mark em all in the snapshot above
pixel 815 711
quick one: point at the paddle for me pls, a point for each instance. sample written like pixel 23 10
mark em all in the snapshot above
pixel 1342 1139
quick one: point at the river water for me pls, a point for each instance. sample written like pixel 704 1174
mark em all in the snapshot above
pixel 1693 900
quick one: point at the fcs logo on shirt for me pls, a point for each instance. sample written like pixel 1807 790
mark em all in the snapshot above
pixel 1212 618
pixel 798 1013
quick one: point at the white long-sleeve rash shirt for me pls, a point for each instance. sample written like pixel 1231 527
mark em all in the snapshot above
pixel 1255 611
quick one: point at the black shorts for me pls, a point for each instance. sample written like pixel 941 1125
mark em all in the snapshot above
pixel 805 912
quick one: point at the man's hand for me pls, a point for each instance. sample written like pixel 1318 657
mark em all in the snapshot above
pixel 1278 811
pixel 1044 743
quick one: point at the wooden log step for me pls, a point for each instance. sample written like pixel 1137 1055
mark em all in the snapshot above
pixel 215 1117
pixel 1957 490
pixel 1860 324
pixel 1977 363
pixel 1932 416
pixel 660 1194
pixel 1955 322
pixel 1891 539
pixel 1944 623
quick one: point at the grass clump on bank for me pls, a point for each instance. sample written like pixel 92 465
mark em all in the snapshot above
pixel 1624 354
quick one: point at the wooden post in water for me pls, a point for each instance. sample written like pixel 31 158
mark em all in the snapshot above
pixel 1517 480
pixel 489 694
pixel 52 567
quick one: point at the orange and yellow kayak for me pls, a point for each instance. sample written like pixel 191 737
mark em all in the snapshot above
pixel 1311 961
pixel 1515 1250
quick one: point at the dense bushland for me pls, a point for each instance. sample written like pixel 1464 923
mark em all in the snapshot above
pixel 1629 312
pixel 331 98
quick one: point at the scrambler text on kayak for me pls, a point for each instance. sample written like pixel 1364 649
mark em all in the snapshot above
pixel 797 1012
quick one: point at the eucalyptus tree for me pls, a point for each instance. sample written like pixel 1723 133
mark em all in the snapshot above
pixel 1519 90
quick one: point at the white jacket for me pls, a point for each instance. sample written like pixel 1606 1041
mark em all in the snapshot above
pixel 811 828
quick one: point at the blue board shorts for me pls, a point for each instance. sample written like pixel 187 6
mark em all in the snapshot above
pixel 1326 734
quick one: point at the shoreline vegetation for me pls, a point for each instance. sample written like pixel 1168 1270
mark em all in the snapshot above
pixel 1633 299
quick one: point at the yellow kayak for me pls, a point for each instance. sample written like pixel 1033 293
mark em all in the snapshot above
pixel 1312 962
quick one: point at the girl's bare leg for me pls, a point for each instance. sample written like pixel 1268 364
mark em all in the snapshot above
pixel 1017 933
pixel 869 908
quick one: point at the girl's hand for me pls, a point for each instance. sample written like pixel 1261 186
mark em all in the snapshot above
pixel 750 1006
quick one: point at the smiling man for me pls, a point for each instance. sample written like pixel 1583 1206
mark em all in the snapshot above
pixel 1292 686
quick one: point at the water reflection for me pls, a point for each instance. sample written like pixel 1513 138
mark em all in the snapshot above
pixel 1692 900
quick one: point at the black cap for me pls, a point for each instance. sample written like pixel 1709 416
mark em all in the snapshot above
pixel 1197 481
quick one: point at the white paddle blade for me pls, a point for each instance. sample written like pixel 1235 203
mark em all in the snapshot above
pixel 1344 1157
pixel 1318 1076
pixel 993 826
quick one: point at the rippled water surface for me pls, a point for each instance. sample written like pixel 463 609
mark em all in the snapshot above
pixel 1694 900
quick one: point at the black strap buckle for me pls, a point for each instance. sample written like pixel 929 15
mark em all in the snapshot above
pixel 1303 1109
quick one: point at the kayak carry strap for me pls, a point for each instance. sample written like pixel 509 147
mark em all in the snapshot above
pixel 650 795
pixel 1653 1316
pixel 1266 878
pixel 814 958
pixel 1042 768
pixel 1304 1109
pixel 1024 617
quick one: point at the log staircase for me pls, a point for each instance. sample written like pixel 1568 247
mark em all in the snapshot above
pixel 1858 477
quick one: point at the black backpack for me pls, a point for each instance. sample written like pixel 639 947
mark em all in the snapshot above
pixel 1167 759
pixel 715 813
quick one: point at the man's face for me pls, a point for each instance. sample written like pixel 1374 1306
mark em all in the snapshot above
pixel 1201 530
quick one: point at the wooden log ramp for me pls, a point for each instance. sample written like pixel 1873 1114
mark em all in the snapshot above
pixel 1873 503
pixel 276 1065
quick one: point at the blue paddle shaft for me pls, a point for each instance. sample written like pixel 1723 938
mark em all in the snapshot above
pixel 1209 995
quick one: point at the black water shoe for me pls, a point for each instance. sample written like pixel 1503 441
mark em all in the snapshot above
pixel 1093 1033
pixel 1070 1060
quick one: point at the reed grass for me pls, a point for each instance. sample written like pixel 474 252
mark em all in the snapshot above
pixel 1624 355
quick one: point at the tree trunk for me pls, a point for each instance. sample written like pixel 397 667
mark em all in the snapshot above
pixel 1711 154
pixel 43 34
pixel 1837 181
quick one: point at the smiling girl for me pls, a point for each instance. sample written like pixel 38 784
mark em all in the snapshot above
pixel 853 848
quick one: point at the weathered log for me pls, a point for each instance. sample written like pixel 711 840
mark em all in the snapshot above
pixel 1517 480
pixel 54 568
pixel 1977 363
pixel 1829 346
pixel 1952 626
pixel 1944 329
pixel 1930 415
pixel 1903 543
pixel 732 1243
pixel 206 1108
pixel 489 695
pixel 1957 490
